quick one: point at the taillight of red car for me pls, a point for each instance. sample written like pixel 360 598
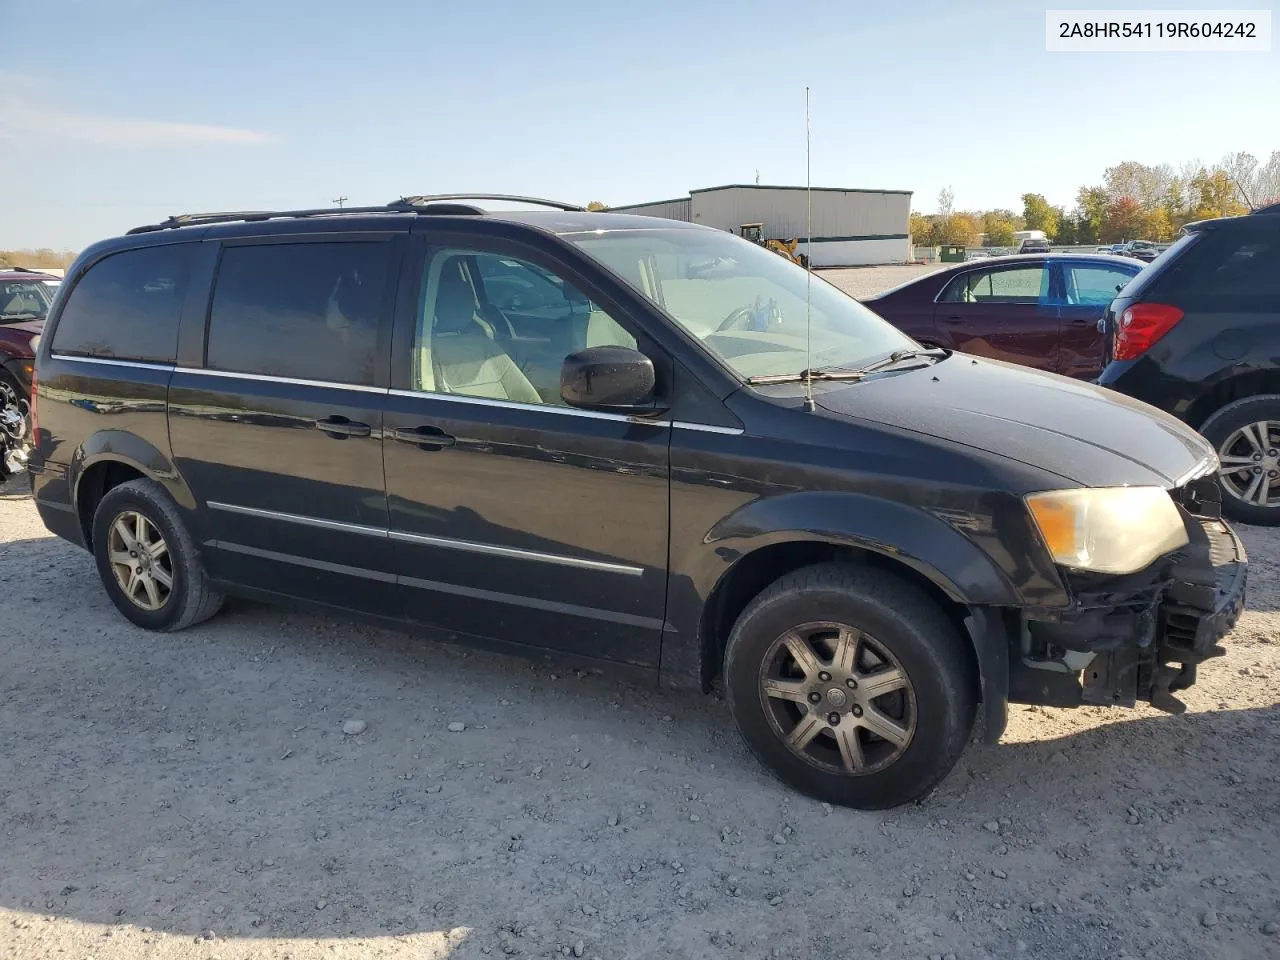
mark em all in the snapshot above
pixel 1140 326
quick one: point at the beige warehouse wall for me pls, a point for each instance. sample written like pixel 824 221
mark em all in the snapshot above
pixel 669 209
pixel 836 213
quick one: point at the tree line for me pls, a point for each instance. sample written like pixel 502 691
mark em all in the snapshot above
pixel 1134 202
pixel 35 259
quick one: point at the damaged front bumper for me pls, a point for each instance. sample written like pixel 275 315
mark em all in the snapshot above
pixel 1140 637
pixel 15 432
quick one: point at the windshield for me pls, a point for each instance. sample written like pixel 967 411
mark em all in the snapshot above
pixel 745 303
pixel 24 300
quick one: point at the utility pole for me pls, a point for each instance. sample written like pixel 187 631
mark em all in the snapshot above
pixel 339 201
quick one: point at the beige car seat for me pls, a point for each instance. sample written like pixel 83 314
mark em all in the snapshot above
pixel 463 357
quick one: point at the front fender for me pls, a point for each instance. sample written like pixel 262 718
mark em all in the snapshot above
pixel 911 535
pixel 907 534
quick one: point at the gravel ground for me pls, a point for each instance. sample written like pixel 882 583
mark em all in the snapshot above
pixel 864 281
pixel 195 795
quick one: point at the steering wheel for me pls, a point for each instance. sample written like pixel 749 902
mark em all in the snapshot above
pixel 748 318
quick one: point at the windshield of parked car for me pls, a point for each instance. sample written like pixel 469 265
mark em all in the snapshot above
pixel 23 300
pixel 746 304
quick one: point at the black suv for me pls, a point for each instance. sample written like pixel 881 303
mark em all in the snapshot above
pixel 634 440
pixel 1197 333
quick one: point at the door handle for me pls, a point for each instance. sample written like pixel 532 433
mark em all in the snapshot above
pixel 339 427
pixel 954 319
pixel 428 438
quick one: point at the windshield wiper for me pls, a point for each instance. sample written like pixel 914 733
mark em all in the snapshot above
pixel 22 316
pixel 856 374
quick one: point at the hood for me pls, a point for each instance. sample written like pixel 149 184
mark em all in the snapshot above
pixel 1081 432
pixel 19 334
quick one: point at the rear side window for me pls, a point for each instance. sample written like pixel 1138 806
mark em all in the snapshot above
pixel 1228 270
pixel 126 306
pixel 1144 279
pixel 1019 285
pixel 303 310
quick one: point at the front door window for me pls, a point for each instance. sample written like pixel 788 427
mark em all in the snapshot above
pixel 499 327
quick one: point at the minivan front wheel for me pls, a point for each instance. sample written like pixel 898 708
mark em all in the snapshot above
pixel 851 685
pixel 147 560
pixel 1246 435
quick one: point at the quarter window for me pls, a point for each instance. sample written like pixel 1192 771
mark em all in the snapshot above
pixel 303 310
pixel 500 327
pixel 1020 285
pixel 127 306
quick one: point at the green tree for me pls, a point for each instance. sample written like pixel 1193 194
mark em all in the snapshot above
pixel 1159 226
pixel 962 228
pixel 923 229
pixel 1066 235
pixel 998 225
pixel 1214 195
pixel 1091 207
pixel 1039 215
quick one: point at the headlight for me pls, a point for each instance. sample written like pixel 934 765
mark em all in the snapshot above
pixel 1108 529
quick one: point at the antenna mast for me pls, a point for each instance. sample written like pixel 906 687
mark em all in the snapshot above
pixel 808 265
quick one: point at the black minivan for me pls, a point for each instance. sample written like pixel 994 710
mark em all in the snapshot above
pixel 632 440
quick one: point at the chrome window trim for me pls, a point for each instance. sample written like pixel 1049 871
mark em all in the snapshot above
pixel 270 378
pixel 515 553
pixel 565 411
pixel 516 405
pixel 412 394
pixel 110 362
pixel 707 428
pixel 405 536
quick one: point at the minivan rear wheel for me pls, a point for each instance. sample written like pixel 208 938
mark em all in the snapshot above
pixel 1246 435
pixel 147 560
pixel 851 685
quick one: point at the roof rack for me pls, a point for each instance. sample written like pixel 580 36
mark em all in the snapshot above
pixel 425 199
pixel 438 204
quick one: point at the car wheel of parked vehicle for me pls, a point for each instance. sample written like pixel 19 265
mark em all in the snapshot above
pixel 1246 435
pixel 851 685
pixel 147 560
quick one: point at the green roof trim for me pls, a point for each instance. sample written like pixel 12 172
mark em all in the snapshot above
pixel 650 203
pixel 869 236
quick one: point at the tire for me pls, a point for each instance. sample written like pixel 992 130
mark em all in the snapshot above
pixel 893 617
pixel 189 598
pixel 1222 429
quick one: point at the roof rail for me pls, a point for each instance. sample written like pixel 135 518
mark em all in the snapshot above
pixel 420 201
pixel 1269 208
pixel 250 216
pixel 429 203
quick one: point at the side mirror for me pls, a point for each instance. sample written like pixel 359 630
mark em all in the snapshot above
pixel 610 379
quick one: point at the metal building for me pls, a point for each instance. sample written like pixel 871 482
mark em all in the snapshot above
pixel 850 226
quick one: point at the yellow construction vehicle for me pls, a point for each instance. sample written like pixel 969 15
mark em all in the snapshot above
pixel 784 248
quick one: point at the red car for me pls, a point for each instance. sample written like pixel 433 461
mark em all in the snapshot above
pixel 1038 310
pixel 25 296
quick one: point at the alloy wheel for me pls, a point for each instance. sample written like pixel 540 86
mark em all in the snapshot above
pixel 140 560
pixel 838 698
pixel 1250 463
